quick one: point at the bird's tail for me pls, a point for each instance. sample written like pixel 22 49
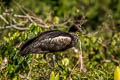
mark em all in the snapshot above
pixel 24 52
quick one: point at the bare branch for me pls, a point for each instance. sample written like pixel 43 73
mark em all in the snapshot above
pixel 32 17
pixel 4 19
pixel 19 6
pixel 13 26
pixel 38 21
pixel 18 28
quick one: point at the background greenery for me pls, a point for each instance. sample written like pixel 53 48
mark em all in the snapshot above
pixel 100 41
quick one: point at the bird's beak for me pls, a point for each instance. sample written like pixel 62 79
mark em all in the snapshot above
pixel 79 28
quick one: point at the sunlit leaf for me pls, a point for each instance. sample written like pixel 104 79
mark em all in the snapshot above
pixel 52 76
pixel 117 73
pixel 56 19
pixel 57 77
pixel 65 61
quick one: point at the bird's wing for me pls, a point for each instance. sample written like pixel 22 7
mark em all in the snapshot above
pixel 37 38
pixel 53 44
pixel 45 42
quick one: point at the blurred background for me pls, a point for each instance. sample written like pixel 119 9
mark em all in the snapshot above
pixel 21 20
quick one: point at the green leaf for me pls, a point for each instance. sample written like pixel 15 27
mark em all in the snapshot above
pixel 57 77
pixel 52 76
pixel 37 30
pixel 31 27
pixel 56 19
pixel 24 36
pixel 65 61
pixel 70 78
pixel 117 73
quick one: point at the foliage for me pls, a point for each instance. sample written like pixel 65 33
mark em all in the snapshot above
pixel 117 73
pixel 100 40
pixel 53 77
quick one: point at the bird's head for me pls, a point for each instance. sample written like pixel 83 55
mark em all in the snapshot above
pixel 75 28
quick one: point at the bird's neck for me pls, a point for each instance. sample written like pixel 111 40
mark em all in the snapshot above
pixel 73 29
pixel 74 34
pixel 74 38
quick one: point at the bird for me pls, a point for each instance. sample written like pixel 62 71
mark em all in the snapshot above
pixel 51 41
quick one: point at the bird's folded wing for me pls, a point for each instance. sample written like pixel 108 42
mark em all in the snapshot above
pixel 56 43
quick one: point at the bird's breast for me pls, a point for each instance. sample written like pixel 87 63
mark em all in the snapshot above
pixel 74 39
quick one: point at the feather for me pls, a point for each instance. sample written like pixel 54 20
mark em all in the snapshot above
pixel 51 41
pixel 53 44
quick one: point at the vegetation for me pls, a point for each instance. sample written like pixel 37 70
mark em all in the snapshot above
pixel 21 20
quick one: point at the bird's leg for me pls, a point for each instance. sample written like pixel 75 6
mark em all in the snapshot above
pixel 81 59
pixel 45 57
pixel 54 60
pixel 30 66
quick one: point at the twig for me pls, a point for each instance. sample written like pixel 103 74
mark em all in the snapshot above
pixel 29 17
pixel 13 26
pixel 4 19
pixel 30 66
pixel 41 23
pixel 92 34
pixel 22 9
pixel 18 28
pixel 19 6
pixel 62 24
pixel 32 17
pixel 14 20
pixel 29 11
pixel 73 70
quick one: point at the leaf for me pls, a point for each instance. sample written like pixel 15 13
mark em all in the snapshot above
pixel 117 73
pixel 56 19
pixel 52 76
pixel 37 30
pixel 6 39
pixel 31 27
pixel 65 61
pixel 24 36
pixel 57 77
pixel 70 78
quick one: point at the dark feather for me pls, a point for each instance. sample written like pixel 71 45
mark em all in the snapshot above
pixel 47 42
pixel 50 41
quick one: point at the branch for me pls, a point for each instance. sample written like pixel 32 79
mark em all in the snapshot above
pixel 4 19
pixel 13 26
pixel 18 28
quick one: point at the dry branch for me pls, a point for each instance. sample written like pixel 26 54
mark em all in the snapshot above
pixel 31 19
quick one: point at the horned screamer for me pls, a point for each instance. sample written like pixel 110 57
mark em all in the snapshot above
pixel 51 41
